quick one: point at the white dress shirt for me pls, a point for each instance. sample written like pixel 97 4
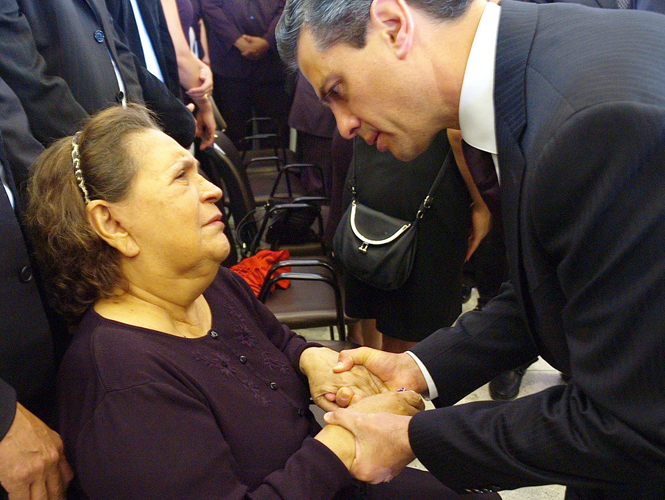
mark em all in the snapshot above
pixel 10 195
pixel 476 109
pixel 146 44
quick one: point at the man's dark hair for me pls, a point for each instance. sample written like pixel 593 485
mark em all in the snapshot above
pixel 342 21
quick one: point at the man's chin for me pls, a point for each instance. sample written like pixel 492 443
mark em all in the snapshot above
pixel 405 152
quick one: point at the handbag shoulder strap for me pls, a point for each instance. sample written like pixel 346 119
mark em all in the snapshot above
pixel 426 203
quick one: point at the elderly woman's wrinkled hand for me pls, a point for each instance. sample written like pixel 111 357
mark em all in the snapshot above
pixel 334 390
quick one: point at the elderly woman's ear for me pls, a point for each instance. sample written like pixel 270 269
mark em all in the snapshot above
pixel 109 228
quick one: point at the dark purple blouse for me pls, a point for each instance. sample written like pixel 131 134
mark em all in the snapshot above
pixel 146 415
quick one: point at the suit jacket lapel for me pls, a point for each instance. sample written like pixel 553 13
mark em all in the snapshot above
pixel 516 31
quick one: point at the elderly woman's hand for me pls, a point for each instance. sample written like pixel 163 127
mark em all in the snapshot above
pixel 333 390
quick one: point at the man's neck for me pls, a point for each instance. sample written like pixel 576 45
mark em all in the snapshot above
pixel 450 42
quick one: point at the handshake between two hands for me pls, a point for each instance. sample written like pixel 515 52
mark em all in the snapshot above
pixel 373 395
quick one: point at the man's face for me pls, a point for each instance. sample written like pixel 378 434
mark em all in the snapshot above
pixel 387 100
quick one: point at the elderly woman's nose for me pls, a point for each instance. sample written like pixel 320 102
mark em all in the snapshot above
pixel 209 190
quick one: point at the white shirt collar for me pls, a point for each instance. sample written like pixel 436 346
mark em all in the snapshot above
pixel 476 105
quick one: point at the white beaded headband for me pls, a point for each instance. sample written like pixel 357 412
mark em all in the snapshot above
pixel 76 160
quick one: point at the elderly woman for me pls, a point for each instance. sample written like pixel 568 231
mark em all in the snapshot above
pixel 178 382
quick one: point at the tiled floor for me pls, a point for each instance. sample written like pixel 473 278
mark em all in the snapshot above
pixel 539 376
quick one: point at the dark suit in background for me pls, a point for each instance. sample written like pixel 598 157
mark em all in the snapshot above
pixel 77 39
pixel 27 356
pixel 51 108
pixel 580 123
pixel 155 24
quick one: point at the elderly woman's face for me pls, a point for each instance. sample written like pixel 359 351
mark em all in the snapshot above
pixel 170 211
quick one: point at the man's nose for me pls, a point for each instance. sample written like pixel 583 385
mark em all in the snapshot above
pixel 347 123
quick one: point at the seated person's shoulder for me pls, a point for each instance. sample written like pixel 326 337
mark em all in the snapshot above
pixel 115 354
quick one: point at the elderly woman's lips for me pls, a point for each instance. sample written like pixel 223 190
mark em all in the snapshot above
pixel 215 219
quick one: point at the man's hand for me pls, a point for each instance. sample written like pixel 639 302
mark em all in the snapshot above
pixel 252 47
pixel 395 370
pixel 400 403
pixel 330 390
pixel 382 443
pixel 32 461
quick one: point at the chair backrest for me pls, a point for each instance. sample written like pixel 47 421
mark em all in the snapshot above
pixel 313 300
pixel 222 163
pixel 218 163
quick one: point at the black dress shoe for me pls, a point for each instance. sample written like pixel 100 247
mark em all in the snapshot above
pixel 506 386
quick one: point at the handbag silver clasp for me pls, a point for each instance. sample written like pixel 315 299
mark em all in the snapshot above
pixel 363 247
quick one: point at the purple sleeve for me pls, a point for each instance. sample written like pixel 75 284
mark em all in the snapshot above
pixel 123 455
pixel 270 33
pixel 219 23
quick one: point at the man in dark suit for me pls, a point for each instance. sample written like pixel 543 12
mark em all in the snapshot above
pixel 31 456
pixel 570 102
pixel 79 44
pixel 51 108
pixel 155 25
pixel 151 14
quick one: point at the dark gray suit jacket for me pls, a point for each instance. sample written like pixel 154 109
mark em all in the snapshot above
pixel 51 108
pixel 27 363
pixel 580 121
pixel 154 21
pixel 77 38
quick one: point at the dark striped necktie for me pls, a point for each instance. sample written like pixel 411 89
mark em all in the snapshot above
pixel 483 172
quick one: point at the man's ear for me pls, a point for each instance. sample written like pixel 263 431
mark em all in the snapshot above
pixel 394 20
pixel 110 229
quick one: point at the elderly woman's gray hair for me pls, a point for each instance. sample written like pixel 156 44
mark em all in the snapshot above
pixel 342 21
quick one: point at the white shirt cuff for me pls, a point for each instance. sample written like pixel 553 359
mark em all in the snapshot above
pixel 433 393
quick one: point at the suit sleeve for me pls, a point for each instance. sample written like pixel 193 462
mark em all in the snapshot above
pixel 7 407
pixel 496 335
pixel 49 104
pixel 601 231
pixel 176 119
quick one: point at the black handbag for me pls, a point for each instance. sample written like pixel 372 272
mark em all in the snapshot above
pixel 376 248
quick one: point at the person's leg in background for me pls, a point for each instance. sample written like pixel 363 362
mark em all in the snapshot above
pixel 233 98
pixel 318 151
pixel 269 98
pixel 364 333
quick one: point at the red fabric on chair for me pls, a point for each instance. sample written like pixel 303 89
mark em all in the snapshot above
pixel 255 268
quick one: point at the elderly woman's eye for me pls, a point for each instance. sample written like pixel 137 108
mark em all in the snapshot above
pixel 333 93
